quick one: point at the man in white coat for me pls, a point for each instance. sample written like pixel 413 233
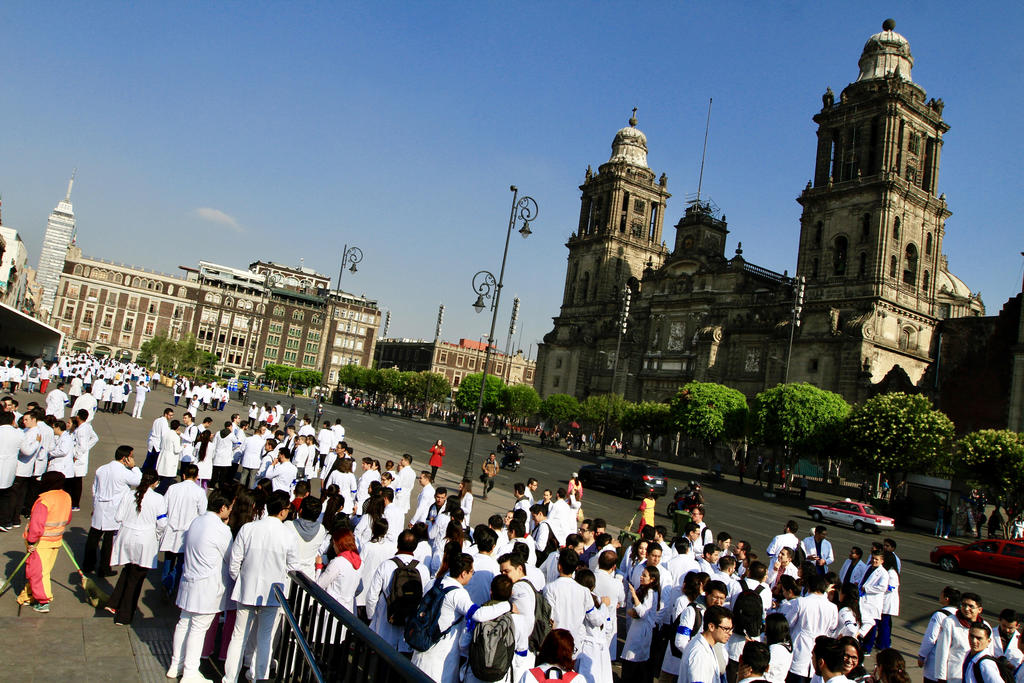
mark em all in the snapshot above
pixel 169 459
pixel 380 591
pixel 818 549
pixel 204 581
pixel 787 539
pixel 949 599
pixel 952 646
pixel 186 500
pixel 853 569
pixel 981 666
pixel 404 483
pixel 11 439
pixel 570 602
pixel 156 432
pixel 699 663
pixel 56 400
pixel 425 499
pixel 85 439
pixel 141 389
pixel 813 616
pixel 110 483
pixel 261 556
pixel 252 453
pixel 873 586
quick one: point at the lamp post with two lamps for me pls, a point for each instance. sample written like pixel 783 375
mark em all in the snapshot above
pixel 487 287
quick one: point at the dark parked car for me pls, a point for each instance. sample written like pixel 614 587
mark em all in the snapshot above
pixel 995 557
pixel 625 477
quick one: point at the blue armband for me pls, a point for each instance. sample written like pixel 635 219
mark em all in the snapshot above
pixel 522 653
pixel 590 610
pixel 684 631
pixel 159 517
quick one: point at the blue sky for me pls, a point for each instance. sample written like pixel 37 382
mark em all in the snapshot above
pixel 246 130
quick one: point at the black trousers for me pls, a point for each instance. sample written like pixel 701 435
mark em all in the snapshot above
pixel 223 475
pixel 125 598
pixel 73 486
pixel 18 491
pixel 7 509
pixel 92 544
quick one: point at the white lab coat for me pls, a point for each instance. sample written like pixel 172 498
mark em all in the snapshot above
pixel 637 647
pixel 814 616
pixel 261 556
pixel 376 600
pixel 32 450
pixel 11 439
pixel 403 487
pixel 811 551
pixel 699 664
pixel 928 641
pixel 341 580
pixel 252 451
pixel 561 519
pixel 373 555
pixel 221 450
pixel 138 539
pixel 987 668
pixel 111 482
pixel 570 602
pixel 61 456
pixel 856 575
pixel 891 601
pixel 282 476
pixel 441 661
pixel 363 489
pixel 160 425
pixel 423 503
pixel 1012 651
pixel 347 486
pixel 85 439
pixel 170 453
pixel 786 540
pixel 951 648
pixel 204 578
pixel 872 588
pixel 56 400
pixel 186 500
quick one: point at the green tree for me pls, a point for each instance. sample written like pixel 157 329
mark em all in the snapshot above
pixel 469 393
pixel 993 458
pixel 434 385
pixel 388 382
pixel 353 376
pixel 898 433
pixel 559 409
pixel 709 412
pixel 799 416
pixel 603 412
pixel 519 401
pixel 649 419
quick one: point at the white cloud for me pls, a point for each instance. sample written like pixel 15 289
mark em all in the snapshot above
pixel 219 217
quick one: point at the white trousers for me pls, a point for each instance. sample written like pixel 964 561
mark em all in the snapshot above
pixel 189 636
pixel 253 635
pixel 137 408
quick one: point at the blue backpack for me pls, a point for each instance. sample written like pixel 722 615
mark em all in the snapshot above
pixel 421 629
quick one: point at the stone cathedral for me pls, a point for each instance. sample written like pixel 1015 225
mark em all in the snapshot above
pixel 870 254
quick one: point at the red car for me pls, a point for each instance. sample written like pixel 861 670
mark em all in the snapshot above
pixel 995 557
pixel 859 515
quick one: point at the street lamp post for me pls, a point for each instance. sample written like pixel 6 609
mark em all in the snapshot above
pixel 524 209
pixel 623 322
pixel 350 256
pixel 799 287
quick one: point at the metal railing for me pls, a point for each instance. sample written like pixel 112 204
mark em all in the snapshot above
pixel 320 641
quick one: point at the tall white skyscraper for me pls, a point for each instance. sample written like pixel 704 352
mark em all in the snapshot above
pixel 60 228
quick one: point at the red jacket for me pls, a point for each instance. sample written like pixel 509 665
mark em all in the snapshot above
pixel 436 453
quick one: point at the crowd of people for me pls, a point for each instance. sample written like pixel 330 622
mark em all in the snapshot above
pixel 226 509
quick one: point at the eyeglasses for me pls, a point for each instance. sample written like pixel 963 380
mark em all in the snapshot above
pixel 853 657
pixel 727 629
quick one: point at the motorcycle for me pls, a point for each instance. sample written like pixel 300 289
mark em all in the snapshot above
pixel 512 458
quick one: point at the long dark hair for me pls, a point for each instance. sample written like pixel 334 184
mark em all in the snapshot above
pixel 204 444
pixel 654 585
pixel 243 511
pixel 149 477
pixel 776 630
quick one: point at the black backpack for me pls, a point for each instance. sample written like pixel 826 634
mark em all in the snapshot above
pixel 698 614
pixel 1006 669
pixel 406 592
pixel 421 629
pixel 541 618
pixel 492 648
pixel 549 547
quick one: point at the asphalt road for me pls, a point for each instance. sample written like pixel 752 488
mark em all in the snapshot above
pixel 742 511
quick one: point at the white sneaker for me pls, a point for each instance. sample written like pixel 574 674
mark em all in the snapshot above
pixel 173 672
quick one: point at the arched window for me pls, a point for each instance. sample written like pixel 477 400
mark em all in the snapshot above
pixel 137 283
pixel 817 233
pixel 894 266
pixel 865 227
pixel 928 244
pixel 925 281
pixel 159 287
pixel 118 278
pixel 896 230
pixel 862 265
pixel 841 246
pixel 170 290
pixel 906 338
pixel 910 266
pixel 77 269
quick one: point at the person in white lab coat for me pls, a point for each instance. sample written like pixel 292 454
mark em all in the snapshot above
pixel 85 438
pixel 141 389
pixel 370 473
pixel 787 539
pixel 644 604
pixel 202 593
pixel 381 587
pixel 1006 638
pixel 827 657
pixel 143 518
pixel 168 462
pixel 261 556
pixel 341 476
pixel 153 440
pixel 949 599
pixel 342 575
pixel 11 440
pixel 818 549
pixel 853 570
pixel 952 646
pixel 404 483
pixel 570 602
pixel 111 482
pixel 223 452
pixel 699 663
pixel 282 473
pixel 980 666
pixel 56 400
pixel 873 586
pixel 425 498
pixel 812 616
pixel 252 452
pixel 186 500
pixel 890 602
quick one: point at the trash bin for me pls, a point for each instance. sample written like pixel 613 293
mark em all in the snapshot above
pixel 679 521
pixel 626 539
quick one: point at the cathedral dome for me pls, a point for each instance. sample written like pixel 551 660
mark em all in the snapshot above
pixel 885 54
pixel 952 284
pixel 630 145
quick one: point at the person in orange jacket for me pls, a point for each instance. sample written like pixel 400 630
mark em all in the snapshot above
pixel 51 513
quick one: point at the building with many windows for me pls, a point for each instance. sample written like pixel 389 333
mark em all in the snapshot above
pixel 454 361
pixel 60 231
pixel 110 309
pixel 350 333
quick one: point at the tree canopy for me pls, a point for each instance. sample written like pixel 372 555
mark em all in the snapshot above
pixel 801 416
pixel 288 375
pixel 519 401
pixel 993 458
pixel 172 356
pixel 559 408
pixel 898 432
pixel 469 393
pixel 709 411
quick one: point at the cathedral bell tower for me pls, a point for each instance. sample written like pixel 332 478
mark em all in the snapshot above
pixel 619 233
pixel 872 224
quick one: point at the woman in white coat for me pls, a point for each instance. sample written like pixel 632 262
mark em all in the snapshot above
pixel 202 593
pixel 204 457
pixel 890 603
pixel 644 604
pixel 373 554
pixel 341 576
pixel 85 438
pixel 143 518
pixel 595 659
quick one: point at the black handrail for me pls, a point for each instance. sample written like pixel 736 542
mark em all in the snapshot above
pixel 323 641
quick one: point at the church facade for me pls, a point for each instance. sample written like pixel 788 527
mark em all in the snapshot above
pixel 642 315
